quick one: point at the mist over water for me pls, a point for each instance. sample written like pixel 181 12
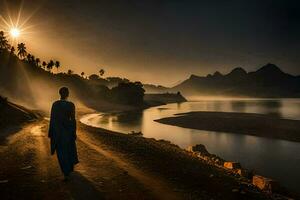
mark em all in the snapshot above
pixel 274 158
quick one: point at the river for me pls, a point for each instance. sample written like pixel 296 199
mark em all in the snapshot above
pixel 273 158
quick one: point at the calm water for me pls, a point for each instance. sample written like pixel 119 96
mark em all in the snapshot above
pixel 278 159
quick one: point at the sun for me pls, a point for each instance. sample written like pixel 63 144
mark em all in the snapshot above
pixel 14 32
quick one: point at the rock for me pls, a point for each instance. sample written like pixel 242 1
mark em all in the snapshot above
pixel 264 183
pixel 232 165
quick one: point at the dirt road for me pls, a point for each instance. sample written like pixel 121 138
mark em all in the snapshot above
pixel 28 171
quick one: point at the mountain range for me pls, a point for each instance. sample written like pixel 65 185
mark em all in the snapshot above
pixel 267 81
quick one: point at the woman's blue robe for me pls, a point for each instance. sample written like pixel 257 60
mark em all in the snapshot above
pixel 62 133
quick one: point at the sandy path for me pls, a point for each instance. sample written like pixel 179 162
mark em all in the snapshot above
pixel 28 171
pixel 159 188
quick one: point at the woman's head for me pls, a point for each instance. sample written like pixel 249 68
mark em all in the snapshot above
pixel 64 93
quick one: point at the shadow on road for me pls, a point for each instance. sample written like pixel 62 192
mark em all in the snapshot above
pixel 8 131
pixel 81 188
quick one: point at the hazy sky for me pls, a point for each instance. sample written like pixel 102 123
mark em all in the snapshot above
pixel 162 41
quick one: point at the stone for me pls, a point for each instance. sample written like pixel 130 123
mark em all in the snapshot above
pixel 242 172
pixel 232 165
pixel 264 183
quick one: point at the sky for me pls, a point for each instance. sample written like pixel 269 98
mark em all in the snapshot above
pixel 160 41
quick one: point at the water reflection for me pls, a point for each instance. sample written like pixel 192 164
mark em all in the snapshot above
pixel 268 157
pixel 271 107
pixel 238 106
pixel 123 122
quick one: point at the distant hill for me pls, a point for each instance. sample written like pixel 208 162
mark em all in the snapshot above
pixel 268 81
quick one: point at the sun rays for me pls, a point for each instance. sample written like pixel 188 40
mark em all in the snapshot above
pixel 15 26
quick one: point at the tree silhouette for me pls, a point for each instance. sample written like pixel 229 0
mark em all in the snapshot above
pixel 29 58
pixel 50 65
pixel 44 64
pixel 57 65
pixel 101 72
pixel 3 41
pixel 37 62
pixel 22 50
pixel 131 93
pixel 12 50
pixel 70 72
pixel 33 60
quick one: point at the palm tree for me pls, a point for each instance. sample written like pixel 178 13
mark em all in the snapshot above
pixel 28 57
pixel 57 65
pixel 44 64
pixel 12 50
pixel 32 59
pixel 37 62
pixel 22 50
pixel 3 41
pixel 101 72
pixel 50 65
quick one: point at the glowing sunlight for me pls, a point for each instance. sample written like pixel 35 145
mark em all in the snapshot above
pixel 14 32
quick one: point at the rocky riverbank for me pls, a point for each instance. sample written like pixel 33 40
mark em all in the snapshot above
pixel 245 176
pixel 193 177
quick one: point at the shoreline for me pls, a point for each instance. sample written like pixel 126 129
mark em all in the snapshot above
pixel 176 165
pixel 115 139
pixel 238 123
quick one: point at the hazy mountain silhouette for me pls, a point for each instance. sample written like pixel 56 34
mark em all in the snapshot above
pixel 268 81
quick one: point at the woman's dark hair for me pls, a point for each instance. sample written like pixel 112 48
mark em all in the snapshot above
pixel 64 92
